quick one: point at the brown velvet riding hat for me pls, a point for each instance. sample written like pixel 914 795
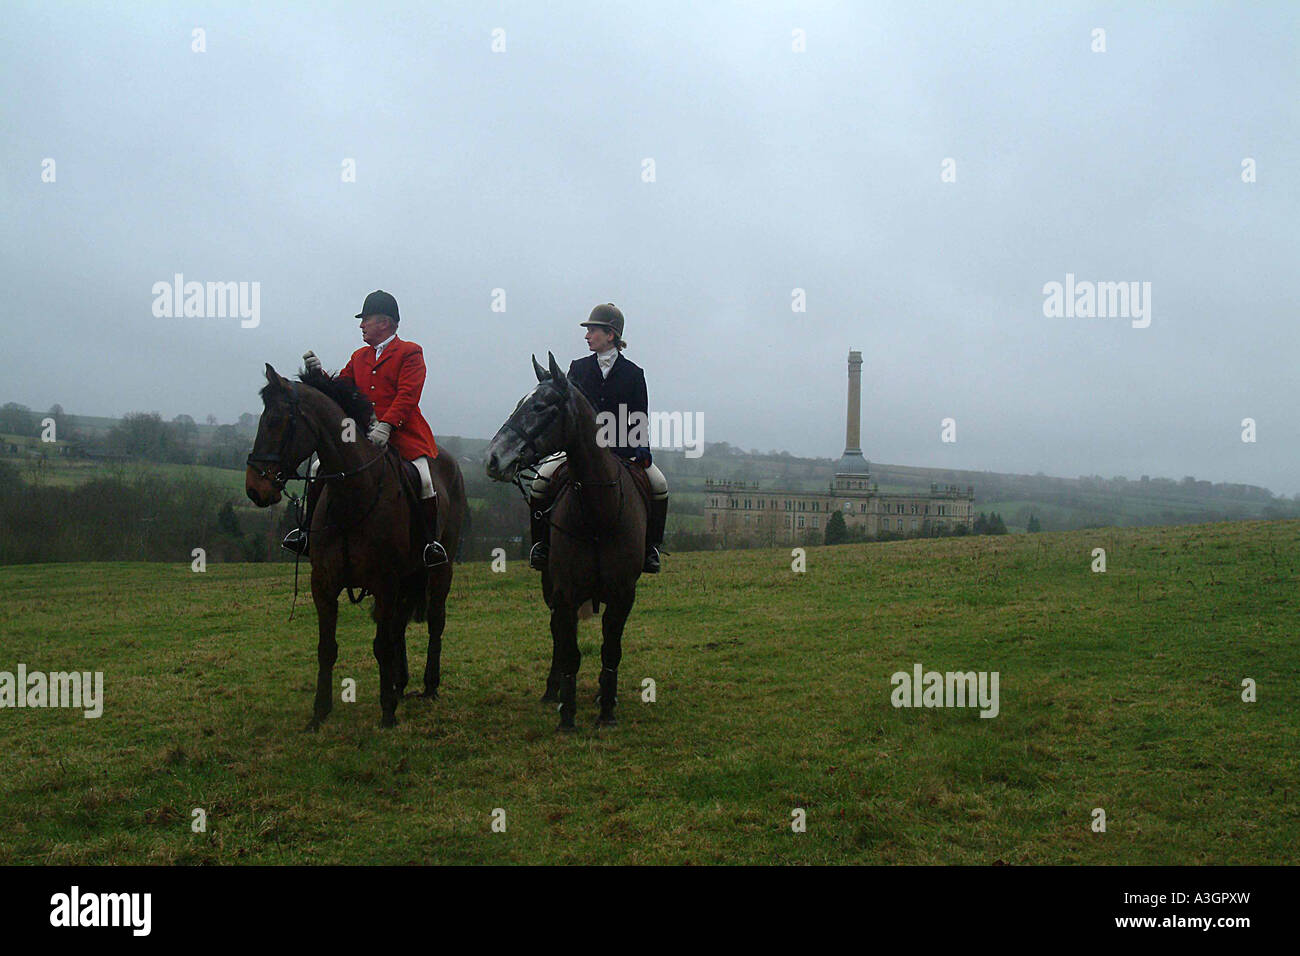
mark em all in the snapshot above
pixel 607 315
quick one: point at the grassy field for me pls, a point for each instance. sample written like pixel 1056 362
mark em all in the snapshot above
pixel 1119 690
pixel 74 472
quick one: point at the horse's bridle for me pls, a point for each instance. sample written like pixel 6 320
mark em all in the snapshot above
pixel 530 451
pixel 277 458
pixel 529 472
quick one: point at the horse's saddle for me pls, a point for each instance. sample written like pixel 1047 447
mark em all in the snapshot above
pixel 640 480
pixel 411 481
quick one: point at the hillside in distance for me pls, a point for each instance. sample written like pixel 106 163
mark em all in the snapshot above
pixel 1061 504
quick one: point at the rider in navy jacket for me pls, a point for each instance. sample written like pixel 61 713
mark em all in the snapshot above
pixel 625 385
pixel 608 381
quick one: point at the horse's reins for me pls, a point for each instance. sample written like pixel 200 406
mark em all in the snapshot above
pixel 280 481
pixel 529 473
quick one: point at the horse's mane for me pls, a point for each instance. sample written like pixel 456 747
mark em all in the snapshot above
pixel 344 394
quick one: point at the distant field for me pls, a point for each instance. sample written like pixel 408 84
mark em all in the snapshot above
pixel 1119 690
pixel 74 472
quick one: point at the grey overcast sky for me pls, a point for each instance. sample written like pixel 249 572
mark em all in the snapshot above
pixel 774 170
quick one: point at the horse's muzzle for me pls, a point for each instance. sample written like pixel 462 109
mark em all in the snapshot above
pixel 261 490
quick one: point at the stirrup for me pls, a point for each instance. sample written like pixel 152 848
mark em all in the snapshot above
pixel 651 565
pixel 295 541
pixel 538 556
pixel 435 555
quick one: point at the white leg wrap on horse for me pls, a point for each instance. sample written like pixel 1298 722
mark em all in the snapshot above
pixel 426 480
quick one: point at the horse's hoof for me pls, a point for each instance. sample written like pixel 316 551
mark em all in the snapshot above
pixel 550 697
pixel 312 727
pixel 388 721
pixel 430 694
pixel 606 721
pixel 564 728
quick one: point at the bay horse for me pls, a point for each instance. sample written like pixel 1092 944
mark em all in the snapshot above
pixel 598 521
pixel 363 533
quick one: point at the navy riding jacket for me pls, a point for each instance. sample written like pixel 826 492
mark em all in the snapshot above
pixel 625 385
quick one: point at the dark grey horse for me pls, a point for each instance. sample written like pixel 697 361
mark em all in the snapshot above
pixel 598 528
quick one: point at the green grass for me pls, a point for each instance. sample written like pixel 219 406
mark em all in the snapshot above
pixel 1118 690
pixel 75 472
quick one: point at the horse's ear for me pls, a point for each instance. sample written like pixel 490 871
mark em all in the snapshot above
pixel 272 376
pixel 556 375
pixel 538 370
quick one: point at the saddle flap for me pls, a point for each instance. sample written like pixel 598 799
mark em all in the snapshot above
pixel 411 480
pixel 639 478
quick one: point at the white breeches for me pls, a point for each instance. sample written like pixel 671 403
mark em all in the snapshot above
pixel 658 483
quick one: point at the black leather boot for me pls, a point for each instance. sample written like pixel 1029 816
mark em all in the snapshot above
pixel 654 534
pixel 435 555
pixel 540 531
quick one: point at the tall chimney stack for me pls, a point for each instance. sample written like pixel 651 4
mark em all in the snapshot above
pixel 852 462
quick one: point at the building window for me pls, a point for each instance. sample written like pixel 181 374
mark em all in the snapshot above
pixel 863 509
pixel 801 521
pixel 913 524
pixel 913 512
pixel 715 522
pixel 814 522
pixel 747 521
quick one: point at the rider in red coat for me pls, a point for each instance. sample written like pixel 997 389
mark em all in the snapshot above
pixel 390 372
pixel 393 381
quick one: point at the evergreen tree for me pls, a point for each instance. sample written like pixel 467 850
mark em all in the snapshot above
pixel 226 519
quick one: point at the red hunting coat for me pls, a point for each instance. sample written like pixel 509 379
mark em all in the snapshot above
pixel 394 384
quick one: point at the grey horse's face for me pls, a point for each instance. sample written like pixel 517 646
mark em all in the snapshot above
pixel 535 429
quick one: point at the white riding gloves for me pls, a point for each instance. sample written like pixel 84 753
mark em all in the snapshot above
pixel 313 363
pixel 380 434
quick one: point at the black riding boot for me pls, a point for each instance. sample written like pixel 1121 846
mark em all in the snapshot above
pixel 540 531
pixel 296 540
pixel 654 534
pixel 435 555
